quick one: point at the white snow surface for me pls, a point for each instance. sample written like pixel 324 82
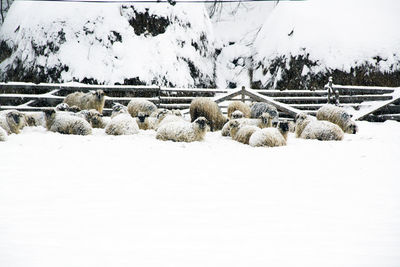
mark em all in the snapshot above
pixel 336 34
pixel 89 52
pixel 136 201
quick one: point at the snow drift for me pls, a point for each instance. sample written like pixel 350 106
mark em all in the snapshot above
pixel 108 43
pixel 302 43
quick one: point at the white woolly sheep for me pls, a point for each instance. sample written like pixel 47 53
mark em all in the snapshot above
pixel 258 108
pixel 62 107
pixel 91 100
pixel 118 108
pixel 270 137
pixel 238 105
pixel 12 121
pixel 242 134
pixel 338 116
pixel 137 105
pixel 169 118
pixel 65 107
pixel 66 123
pixel 34 119
pixel 237 114
pixel 122 124
pixel 145 122
pixel 183 131
pixel 204 107
pixel 308 128
pixel 176 112
pixel 3 135
pixel 263 121
pixel 94 118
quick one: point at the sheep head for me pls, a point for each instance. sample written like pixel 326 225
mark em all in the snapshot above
pixel 237 114
pixel 201 122
pixel 142 116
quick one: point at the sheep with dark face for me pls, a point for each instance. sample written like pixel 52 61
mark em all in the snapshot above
pixel 145 122
pixel 258 108
pixel 183 131
pixel 263 121
pixel 338 116
pixel 271 137
pixel 91 100
pixel 94 118
pixel 66 123
pixel 310 128
pixel 204 107
pixel 240 106
pixel 12 121
pixel 137 105
pixel 237 114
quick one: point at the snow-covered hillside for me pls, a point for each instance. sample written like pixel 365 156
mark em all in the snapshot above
pixel 108 43
pixel 285 45
pixel 302 43
pixel 236 26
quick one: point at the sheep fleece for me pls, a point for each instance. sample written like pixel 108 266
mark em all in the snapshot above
pixel 204 107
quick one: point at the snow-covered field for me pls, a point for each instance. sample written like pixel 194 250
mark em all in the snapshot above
pixel 136 201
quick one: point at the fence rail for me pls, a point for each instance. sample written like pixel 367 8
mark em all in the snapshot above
pixel 365 102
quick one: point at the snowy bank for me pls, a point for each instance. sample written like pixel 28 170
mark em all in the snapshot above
pixel 108 43
pixel 301 44
pixel 94 201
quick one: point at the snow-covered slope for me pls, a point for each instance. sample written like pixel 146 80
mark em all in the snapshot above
pixel 302 43
pixel 236 26
pixel 108 43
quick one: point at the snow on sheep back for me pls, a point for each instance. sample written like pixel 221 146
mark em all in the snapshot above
pixel 182 131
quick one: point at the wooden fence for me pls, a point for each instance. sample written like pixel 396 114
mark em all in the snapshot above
pixel 370 103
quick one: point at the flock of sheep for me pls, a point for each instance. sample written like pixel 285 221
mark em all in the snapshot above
pixel 257 124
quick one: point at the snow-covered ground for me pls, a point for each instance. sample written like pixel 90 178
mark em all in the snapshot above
pixel 136 201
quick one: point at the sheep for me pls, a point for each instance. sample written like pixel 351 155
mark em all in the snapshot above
pixel 168 118
pixel 137 105
pixel 91 100
pixel 270 137
pixel 308 128
pixel 66 123
pixel 145 122
pixel 237 114
pixel 183 131
pixel 240 133
pixel 258 108
pixel 3 135
pixel 65 107
pixel 263 121
pixel 12 121
pixel 176 112
pixel 62 107
pixel 238 105
pixel 338 116
pixel 204 107
pixel 93 117
pixel 122 124
pixel 118 108
pixel 34 119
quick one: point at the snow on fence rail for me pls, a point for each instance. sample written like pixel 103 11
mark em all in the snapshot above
pixel 364 102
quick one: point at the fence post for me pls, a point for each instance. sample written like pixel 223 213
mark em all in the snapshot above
pixel 159 97
pixel 243 94
pixel 332 92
